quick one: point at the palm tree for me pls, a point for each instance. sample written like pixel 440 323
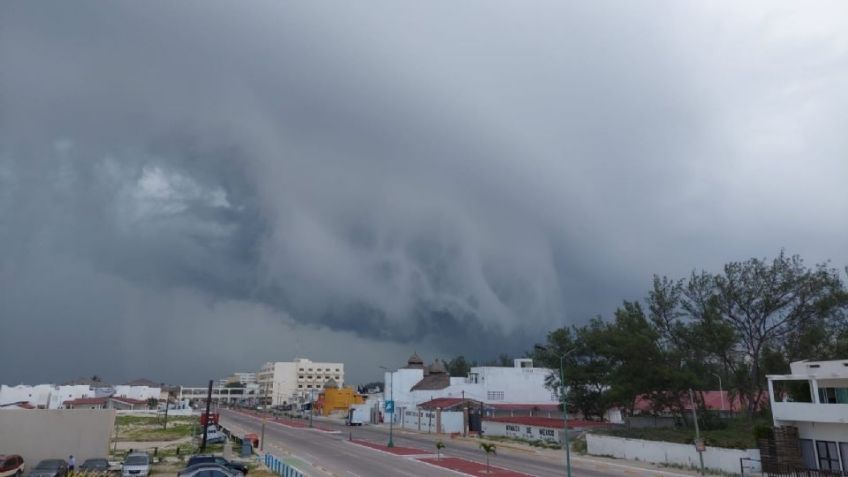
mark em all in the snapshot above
pixel 439 446
pixel 488 449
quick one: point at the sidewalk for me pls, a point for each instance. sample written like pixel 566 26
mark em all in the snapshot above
pixel 583 460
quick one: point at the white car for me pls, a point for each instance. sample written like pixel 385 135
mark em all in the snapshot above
pixel 136 464
pixel 11 466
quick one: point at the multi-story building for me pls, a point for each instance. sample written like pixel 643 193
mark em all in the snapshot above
pixel 497 386
pixel 242 378
pixel 814 399
pixel 287 382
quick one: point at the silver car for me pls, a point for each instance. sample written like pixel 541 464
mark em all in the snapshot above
pixel 209 470
pixel 136 464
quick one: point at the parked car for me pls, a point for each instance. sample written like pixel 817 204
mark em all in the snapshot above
pixel 214 435
pixel 215 459
pixel 11 465
pixel 209 470
pixel 50 468
pixel 95 466
pixel 136 464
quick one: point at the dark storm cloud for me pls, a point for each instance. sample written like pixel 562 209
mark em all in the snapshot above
pixel 452 177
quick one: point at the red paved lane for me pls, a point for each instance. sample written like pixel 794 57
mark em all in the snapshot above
pixel 471 468
pixel 391 450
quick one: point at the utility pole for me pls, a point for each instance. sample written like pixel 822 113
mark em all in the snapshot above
pixel 566 443
pixel 698 443
pixel 311 406
pixel 262 439
pixel 720 390
pixel 392 399
pixel 167 402
pixel 206 425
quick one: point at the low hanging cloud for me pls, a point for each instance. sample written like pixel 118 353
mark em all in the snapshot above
pixel 458 179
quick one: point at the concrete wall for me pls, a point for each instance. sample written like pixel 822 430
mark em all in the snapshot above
pixel 520 431
pixel 142 393
pixel 56 433
pixel 726 460
pixel 426 421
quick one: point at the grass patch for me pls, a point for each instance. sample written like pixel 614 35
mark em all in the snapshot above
pixel 738 434
pixel 148 434
pixel 534 443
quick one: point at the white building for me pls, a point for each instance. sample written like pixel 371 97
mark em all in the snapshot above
pixel 49 396
pixel 142 393
pixel 814 398
pixel 286 382
pixel 242 378
pixel 43 396
pixel 520 384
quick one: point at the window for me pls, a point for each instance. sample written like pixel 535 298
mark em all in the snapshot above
pixel 843 449
pixel 833 395
pixel 828 458
pixel 495 395
pixel 300 386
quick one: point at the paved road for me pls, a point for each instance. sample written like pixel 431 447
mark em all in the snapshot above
pixel 331 453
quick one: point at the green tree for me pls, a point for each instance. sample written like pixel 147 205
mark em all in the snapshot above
pixel 458 367
pixel 489 449
pixel 767 303
pixel 439 446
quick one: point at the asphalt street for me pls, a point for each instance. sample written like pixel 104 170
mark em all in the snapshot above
pixel 331 454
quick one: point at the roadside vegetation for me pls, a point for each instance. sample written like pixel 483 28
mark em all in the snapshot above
pixel 739 433
pixel 152 428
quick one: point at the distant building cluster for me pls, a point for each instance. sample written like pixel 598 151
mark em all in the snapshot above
pixel 82 394
pixel 280 383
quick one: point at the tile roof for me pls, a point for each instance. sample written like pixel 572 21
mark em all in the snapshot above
pixel 127 400
pixel 448 403
pixel 713 401
pixel 523 407
pixel 86 401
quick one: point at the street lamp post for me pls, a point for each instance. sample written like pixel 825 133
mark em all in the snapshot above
pixel 311 406
pixel 564 407
pixel 392 398
pixel 720 390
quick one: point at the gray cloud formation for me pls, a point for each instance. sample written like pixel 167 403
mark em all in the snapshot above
pixel 362 181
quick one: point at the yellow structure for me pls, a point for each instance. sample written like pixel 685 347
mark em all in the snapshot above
pixel 338 399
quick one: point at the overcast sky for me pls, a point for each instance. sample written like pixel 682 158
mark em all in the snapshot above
pixel 189 189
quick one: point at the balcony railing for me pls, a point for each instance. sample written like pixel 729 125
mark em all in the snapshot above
pixel 810 412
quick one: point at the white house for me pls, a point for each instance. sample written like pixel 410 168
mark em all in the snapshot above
pixel 814 398
pixel 140 393
pixel 497 385
pixel 38 396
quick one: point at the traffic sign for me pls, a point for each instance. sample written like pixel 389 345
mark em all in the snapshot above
pixel 390 407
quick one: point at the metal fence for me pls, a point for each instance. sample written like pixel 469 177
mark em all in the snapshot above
pixel 280 468
pixel 787 472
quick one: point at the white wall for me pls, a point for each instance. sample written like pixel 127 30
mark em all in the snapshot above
pixel 518 385
pixel 726 460
pixel 56 434
pixel 521 431
pixel 138 392
pixel 822 431
pixel 425 421
pixel 38 395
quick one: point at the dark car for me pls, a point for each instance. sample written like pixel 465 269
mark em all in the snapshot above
pixel 214 459
pixel 99 466
pixel 50 468
pixel 11 466
pixel 208 470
